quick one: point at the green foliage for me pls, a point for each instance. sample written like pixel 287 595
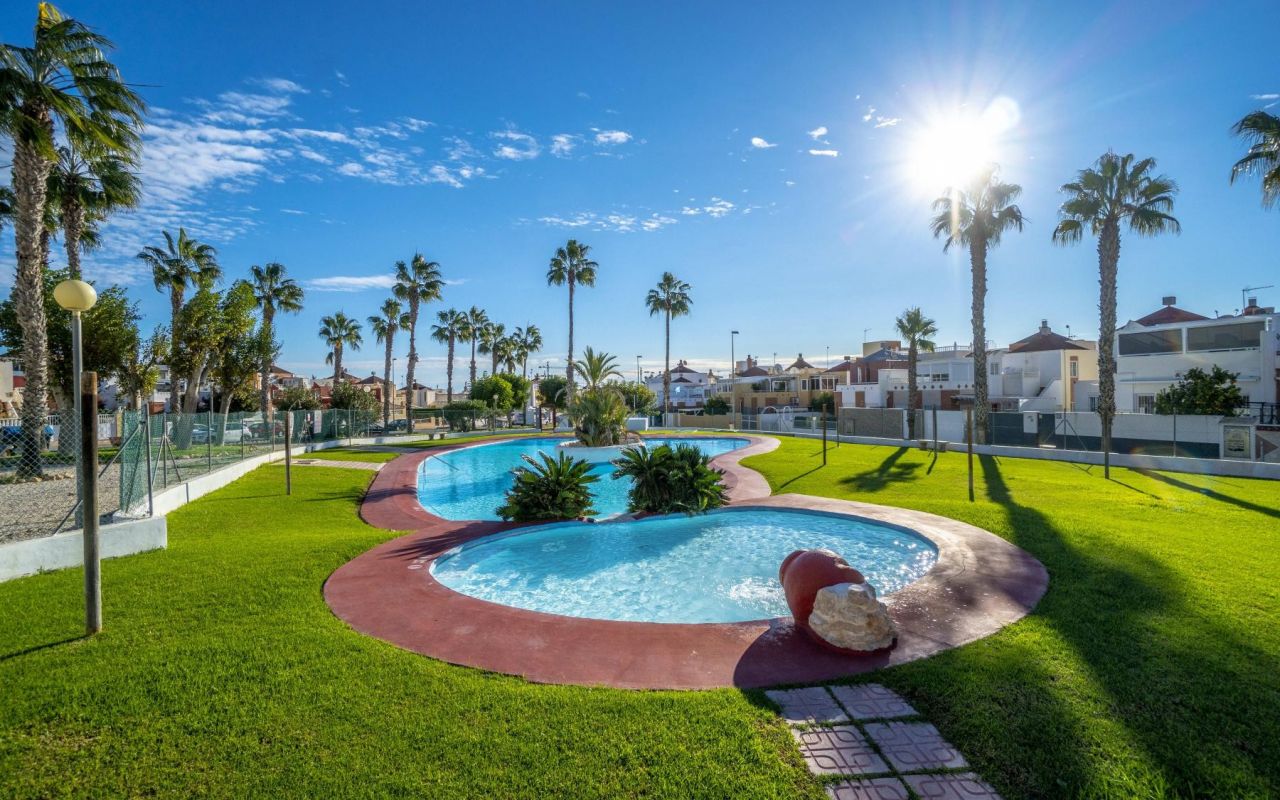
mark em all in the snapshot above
pixel 639 398
pixel 551 391
pixel 462 415
pixel 1201 392
pixel 349 396
pixel 597 367
pixel 298 398
pixel 715 404
pixel 519 388
pixel 667 480
pixel 599 417
pixel 494 392
pixel 821 401
pixel 549 489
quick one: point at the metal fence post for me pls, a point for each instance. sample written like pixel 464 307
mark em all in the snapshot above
pixel 88 393
pixel 208 440
pixel 288 457
pixel 145 420
pixel 968 425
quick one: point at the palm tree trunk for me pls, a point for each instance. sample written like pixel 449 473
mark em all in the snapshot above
pixel 981 403
pixel 449 371
pixel 410 373
pixel 30 187
pixel 666 373
pixel 1108 268
pixel 337 363
pixel 473 361
pixel 264 400
pixel 387 387
pixel 568 387
pixel 494 354
pixel 175 307
pixel 912 400
pixel 72 225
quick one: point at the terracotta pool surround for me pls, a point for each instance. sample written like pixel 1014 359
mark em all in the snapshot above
pixel 979 584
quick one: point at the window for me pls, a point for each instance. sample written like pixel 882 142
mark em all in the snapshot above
pixel 1075 367
pixel 1093 403
pixel 1146 403
pixel 994 368
pixel 1145 343
pixel 1225 337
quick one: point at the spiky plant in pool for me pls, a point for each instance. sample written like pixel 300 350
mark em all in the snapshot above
pixel 667 480
pixel 549 489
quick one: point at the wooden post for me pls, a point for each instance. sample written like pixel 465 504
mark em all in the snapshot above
pixel 824 435
pixel 288 456
pixel 968 424
pixel 935 429
pixel 89 481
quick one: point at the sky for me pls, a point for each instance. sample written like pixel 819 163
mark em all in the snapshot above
pixel 780 158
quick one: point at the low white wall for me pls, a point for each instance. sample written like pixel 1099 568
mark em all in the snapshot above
pixel 64 550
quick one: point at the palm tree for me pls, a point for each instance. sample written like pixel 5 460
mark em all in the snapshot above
pixel 671 299
pixel 917 330
pixel 492 338
pixel 530 342
pixel 384 327
pixel 63 80
pixel 476 322
pixel 1262 131
pixel 1114 192
pixel 596 368
pixel 416 283
pixel 86 184
pixel 273 292
pixel 977 216
pixel 572 265
pixel 339 332
pixel 449 327
pixel 181 263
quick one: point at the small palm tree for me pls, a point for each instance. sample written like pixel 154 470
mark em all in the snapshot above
pixel 477 320
pixel 339 332
pixel 492 341
pixel 87 184
pixel 976 216
pixel 1262 131
pixel 572 265
pixel 917 330
pixel 1116 191
pixel 417 282
pixel 671 299
pixel 384 327
pixel 449 327
pixel 550 489
pixel 273 292
pixel 597 368
pixel 530 342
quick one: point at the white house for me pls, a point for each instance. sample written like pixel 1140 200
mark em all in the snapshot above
pixel 688 386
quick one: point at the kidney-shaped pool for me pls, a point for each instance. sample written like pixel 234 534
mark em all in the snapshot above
pixel 716 567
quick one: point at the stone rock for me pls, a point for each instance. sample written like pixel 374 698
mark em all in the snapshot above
pixel 849 617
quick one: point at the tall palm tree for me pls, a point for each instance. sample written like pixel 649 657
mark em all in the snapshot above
pixel 917 330
pixel 671 299
pixel 492 341
pixel 384 327
pixel 530 342
pixel 597 368
pixel 1262 131
pixel 976 216
pixel 87 184
pixel 417 282
pixel 449 327
pixel 1116 191
pixel 273 292
pixel 62 80
pixel 476 322
pixel 339 332
pixel 183 262
pixel 572 265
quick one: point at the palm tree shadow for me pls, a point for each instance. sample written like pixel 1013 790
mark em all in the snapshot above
pixel 1213 494
pixel 889 471
pixel 795 478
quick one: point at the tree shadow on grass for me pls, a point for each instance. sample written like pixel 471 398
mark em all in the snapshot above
pixel 38 647
pixel 795 478
pixel 1213 494
pixel 889 471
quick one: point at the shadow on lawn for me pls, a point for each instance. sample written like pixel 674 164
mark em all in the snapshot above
pixel 889 471
pixel 1211 493
pixel 38 647
pixel 1174 679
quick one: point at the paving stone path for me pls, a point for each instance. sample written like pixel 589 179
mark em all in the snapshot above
pixel 870 744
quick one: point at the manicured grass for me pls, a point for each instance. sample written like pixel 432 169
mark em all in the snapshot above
pixel 1152 666
pixel 221 672
pixel 356 453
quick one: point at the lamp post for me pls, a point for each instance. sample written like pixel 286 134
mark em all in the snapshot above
pixel 78 297
pixel 733 379
pixel 637 394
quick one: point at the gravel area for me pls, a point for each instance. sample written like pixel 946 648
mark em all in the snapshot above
pixel 32 510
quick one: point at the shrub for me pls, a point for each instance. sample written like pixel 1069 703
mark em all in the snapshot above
pixel 716 404
pixel 519 388
pixel 639 398
pixel 350 397
pixel 1201 392
pixel 668 480
pixel 552 489
pixel 493 392
pixel 821 400
pixel 298 397
pixel 599 417
pixel 462 414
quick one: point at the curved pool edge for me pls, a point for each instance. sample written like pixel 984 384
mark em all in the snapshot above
pixel 979 584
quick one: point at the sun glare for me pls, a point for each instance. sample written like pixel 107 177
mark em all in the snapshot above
pixel 951 148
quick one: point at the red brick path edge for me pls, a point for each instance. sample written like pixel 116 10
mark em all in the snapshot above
pixel 980 584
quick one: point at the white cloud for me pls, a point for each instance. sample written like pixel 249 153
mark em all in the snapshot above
pixel 887 122
pixel 761 144
pixel 280 85
pixel 871 112
pixel 1267 96
pixel 518 146
pixel 718 208
pixel 562 144
pixel 817 133
pixel 829 153
pixel 265 105
pixel 292 211
pixel 342 79
pixel 790 183
pixel 350 283
pixel 611 137
pixel 414 124
pixel 351 168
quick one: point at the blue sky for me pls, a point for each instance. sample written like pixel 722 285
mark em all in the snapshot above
pixel 685 137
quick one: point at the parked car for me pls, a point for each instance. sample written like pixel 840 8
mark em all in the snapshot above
pixel 233 433
pixel 394 426
pixel 11 437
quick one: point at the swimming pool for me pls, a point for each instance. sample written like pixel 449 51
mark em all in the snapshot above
pixel 716 567
pixel 471 483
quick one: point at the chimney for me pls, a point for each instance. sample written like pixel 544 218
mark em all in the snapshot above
pixel 1044 326
pixel 1169 300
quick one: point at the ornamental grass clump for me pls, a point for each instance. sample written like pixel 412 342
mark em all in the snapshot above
pixel 551 489
pixel 669 480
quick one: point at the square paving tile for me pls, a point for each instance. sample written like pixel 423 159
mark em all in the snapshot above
pixel 874 789
pixel 872 701
pixel 838 751
pixel 956 786
pixel 915 746
pixel 807 706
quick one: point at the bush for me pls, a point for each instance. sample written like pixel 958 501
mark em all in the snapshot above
pixel 668 480
pixel 298 397
pixel 462 414
pixel 350 397
pixel 494 392
pixel 639 399
pixel 1201 392
pixel 599 417
pixel 821 401
pixel 716 404
pixel 519 388
pixel 551 490
pixel 551 391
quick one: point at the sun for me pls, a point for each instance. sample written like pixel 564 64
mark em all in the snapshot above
pixel 951 147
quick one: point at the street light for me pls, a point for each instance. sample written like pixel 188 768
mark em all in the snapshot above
pixel 636 396
pixel 733 379
pixel 78 297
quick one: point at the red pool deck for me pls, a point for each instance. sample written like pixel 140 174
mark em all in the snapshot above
pixel 979 584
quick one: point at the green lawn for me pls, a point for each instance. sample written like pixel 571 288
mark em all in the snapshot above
pixel 1151 668
pixel 356 453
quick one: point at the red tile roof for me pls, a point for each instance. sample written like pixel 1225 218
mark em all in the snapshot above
pixel 1169 314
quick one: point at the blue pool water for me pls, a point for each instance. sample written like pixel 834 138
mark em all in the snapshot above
pixel 471 483
pixel 716 567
